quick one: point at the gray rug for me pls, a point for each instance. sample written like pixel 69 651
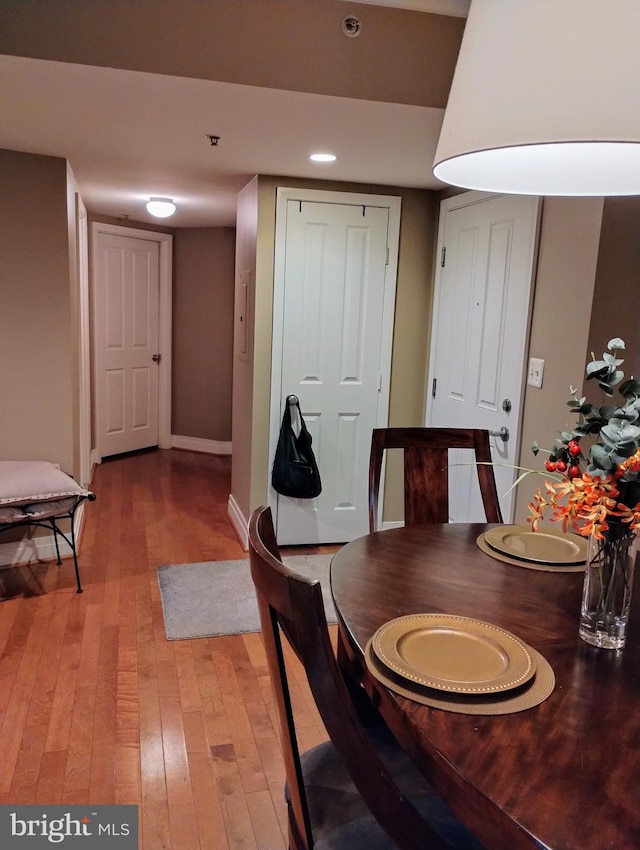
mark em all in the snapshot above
pixel 218 597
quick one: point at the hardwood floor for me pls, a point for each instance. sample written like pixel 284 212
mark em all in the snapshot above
pixel 96 706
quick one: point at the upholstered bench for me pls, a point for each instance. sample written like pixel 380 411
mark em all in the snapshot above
pixel 38 493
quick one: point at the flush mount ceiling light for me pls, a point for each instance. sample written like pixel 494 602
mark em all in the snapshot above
pixel 161 207
pixel 322 157
pixel 544 100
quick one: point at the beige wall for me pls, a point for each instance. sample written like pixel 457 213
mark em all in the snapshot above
pixel 400 56
pixel 565 280
pixel 203 293
pixel 411 332
pixel 38 338
pixel 243 365
pixel 616 300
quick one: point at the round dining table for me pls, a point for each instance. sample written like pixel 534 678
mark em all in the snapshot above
pixel 564 774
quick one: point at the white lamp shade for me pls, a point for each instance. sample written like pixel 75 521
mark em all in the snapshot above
pixel 161 207
pixel 545 99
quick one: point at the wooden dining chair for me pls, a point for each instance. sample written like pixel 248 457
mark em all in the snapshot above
pixel 358 791
pixel 426 473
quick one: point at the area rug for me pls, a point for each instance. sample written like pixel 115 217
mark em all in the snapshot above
pixel 218 597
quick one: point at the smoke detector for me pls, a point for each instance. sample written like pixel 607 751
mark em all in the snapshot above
pixel 351 26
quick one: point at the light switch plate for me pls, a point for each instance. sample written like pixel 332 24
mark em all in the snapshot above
pixel 536 369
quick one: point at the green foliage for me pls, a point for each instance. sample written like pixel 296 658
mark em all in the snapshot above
pixel 616 427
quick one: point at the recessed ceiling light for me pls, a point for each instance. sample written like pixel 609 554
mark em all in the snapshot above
pixel 323 157
pixel 161 207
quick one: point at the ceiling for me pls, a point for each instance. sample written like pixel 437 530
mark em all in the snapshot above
pixel 128 134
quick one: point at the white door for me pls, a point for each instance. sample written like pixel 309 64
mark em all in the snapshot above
pixel 126 332
pixel 480 330
pixel 334 334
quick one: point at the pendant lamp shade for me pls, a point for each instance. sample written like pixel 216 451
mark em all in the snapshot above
pixel 545 99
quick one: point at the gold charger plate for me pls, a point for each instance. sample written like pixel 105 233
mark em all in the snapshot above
pixel 527 565
pixel 532 693
pixel 451 653
pixel 545 546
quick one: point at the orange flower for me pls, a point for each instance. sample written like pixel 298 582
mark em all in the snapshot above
pixel 583 503
pixel 630 465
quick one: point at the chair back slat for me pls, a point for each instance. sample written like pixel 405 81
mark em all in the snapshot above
pixel 426 475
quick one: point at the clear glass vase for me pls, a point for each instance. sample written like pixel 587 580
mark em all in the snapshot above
pixel 606 593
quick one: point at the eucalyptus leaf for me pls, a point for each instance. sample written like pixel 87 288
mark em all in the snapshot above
pixel 585 409
pixel 582 430
pixel 630 387
pixel 607 411
pixel 597 369
pixel 625 430
pixel 600 458
pixel 595 426
pixel 616 344
pixel 623 451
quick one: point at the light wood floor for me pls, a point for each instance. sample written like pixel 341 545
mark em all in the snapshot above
pixel 96 706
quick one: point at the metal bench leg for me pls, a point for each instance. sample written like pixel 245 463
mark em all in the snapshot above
pixel 55 537
pixel 75 557
pixel 72 544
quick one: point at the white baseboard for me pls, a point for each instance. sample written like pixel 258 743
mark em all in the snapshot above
pixel 238 521
pixel 198 444
pixel 42 547
pixel 29 549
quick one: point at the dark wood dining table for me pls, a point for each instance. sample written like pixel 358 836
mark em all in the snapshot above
pixel 563 775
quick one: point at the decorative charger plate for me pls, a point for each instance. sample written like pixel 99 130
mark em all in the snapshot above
pixel 529 695
pixel 451 653
pixel 541 547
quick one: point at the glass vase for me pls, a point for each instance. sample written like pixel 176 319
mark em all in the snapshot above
pixel 606 593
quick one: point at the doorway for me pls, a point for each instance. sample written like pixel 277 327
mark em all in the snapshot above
pixel 131 339
pixel 487 246
pixel 334 297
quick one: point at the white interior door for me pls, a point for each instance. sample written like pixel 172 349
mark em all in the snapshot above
pixel 487 247
pixel 126 334
pixel 333 323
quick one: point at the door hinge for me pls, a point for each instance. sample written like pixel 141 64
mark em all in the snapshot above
pixel 433 387
pixel 380 383
pixel 443 256
pixel 386 262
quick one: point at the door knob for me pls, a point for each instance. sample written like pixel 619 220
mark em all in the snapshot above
pixel 156 358
pixel 503 433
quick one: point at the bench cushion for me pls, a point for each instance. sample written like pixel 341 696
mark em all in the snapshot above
pixel 26 482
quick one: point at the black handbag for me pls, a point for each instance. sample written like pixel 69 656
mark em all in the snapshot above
pixel 295 471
